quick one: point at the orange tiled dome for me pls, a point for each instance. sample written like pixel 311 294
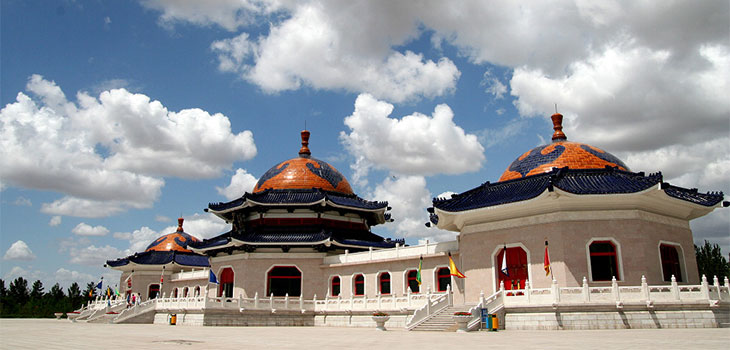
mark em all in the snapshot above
pixel 176 241
pixel 560 153
pixel 303 172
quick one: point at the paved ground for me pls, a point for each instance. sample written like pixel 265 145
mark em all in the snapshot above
pixel 52 334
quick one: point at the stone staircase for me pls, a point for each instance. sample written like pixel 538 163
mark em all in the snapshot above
pixel 442 321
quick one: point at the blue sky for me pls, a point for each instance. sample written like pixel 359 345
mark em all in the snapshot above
pixel 119 116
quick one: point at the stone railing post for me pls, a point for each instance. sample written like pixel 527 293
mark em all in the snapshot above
pixel 704 288
pixel 528 290
pixel 556 292
pixel 501 289
pixel 240 301
pixel 716 284
pixel 314 303
pixel 481 298
pixel 727 285
pixel 615 290
pixel 347 253
pixel 675 288
pixel 271 302
pixel 379 301
pixel 286 301
pixel 256 300
pixel 586 291
pixel 408 294
pixel 428 301
pixel 301 302
pixel 370 253
pixel 449 295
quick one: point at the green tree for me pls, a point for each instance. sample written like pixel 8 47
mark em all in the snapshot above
pixel 89 290
pixel 36 291
pixel 74 296
pixel 18 291
pixel 710 261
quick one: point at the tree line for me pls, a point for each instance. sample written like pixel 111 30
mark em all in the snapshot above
pixel 17 300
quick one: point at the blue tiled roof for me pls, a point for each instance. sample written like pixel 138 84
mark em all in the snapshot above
pixel 300 234
pixel 162 258
pixel 577 181
pixel 296 196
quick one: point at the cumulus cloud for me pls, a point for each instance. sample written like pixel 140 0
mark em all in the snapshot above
pixel 229 14
pixel 409 196
pixel 162 218
pixel 417 144
pixel 19 251
pixel 93 255
pixel 84 229
pixel 241 183
pixel 66 277
pixel 108 154
pixel 55 221
pixel 493 85
pixel 201 226
pixel 28 274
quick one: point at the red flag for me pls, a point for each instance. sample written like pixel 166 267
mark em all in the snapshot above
pixel 546 262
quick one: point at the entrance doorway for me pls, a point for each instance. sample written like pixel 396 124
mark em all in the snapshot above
pixel 284 280
pixel 516 268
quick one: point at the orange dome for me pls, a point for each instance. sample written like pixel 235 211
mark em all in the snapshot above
pixel 303 172
pixel 176 241
pixel 559 154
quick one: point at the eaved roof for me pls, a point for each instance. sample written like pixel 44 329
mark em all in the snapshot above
pixel 606 181
pixel 155 257
pixel 296 236
pixel 300 197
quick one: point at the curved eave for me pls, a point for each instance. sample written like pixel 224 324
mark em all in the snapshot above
pixel 379 212
pixel 206 249
pixel 653 199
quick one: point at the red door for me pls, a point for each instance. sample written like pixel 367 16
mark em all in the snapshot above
pixel 516 268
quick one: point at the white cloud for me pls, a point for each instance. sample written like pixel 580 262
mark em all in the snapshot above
pixel 28 274
pixel 66 277
pixel 22 201
pixel 201 226
pixel 109 154
pixel 493 137
pixel 241 183
pixel 19 251
pixel 408 196
pixel 84 229
pixel 494 86
pixel 93 255
pixel 55 221
pixel 229 14
pixel 416 144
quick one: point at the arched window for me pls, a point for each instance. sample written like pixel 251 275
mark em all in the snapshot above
pixel 225 288
pixel 384 283
pixel 284 280
pixel 185 292
pixel 412 281
pixel 197 291
pixel 604 262
pixel 359 282
pixel 154 291
pixel 670 262
pixel 443 277
pixel 174 293
pixel 516 268
pixel 335 288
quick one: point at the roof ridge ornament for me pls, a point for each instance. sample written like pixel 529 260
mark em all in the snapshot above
pixel 180 224
pixel 304 151
pixel 558 135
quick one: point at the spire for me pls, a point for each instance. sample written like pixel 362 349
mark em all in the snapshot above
pixel 304 151
pixel 558 135
pixel 179 224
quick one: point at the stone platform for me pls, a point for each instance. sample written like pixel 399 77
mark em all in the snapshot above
pixel 62 334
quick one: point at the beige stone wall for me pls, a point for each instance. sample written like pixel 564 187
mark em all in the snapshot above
pixel 637 239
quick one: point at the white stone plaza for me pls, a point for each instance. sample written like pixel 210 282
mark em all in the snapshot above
pixel 62 334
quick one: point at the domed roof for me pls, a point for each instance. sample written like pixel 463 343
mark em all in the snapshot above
pixel 303 172
pixel 559 154
pixel 177 241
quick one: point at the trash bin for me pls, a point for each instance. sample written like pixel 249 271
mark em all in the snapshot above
pixel 493 322
pixel 486 322
pixel 173 319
